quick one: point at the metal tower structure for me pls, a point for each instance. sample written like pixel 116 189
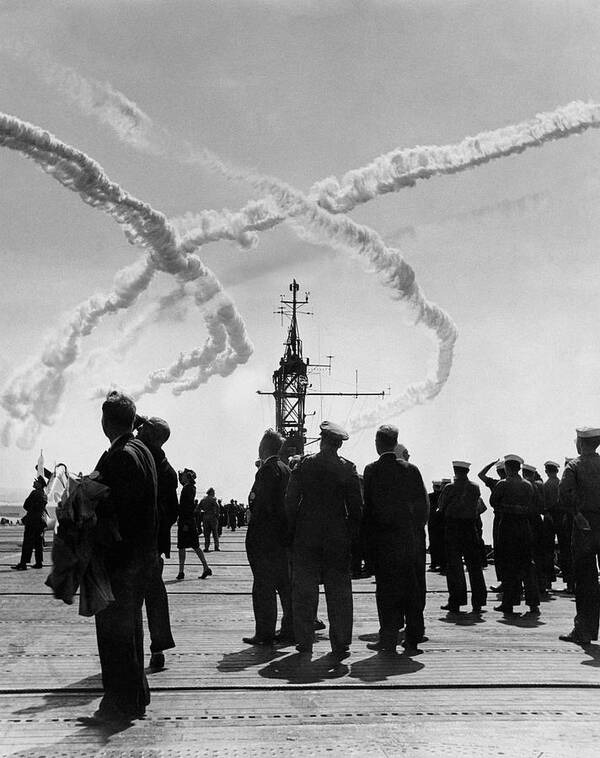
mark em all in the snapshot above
pixel 290 380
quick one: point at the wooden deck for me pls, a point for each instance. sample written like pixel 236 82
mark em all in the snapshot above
pixel 483 686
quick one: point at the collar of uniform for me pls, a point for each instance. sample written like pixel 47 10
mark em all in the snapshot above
pixel 387 452
pixel 120 437
pixel 270 458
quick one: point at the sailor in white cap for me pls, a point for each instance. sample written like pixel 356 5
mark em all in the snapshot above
pixel 324 510
pixel 513 503
pixel 558 525
pixel 459 503
pixel 580 492
pixel 396 510
pixel 490 482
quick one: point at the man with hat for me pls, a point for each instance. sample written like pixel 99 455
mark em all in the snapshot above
pixel 154 432
pixel 513 502
pixel 435 529
pixel 211 512
pixel 580 491
pixel 459 502
pixel 324 508
pixel 490 482
pixel 558 524
pixel 396 506
pixel 530 474
pixel 266 545
pixel 35 524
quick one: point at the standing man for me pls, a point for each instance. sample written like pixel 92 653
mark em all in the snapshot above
pixel 490 483
pixel 395 505
pixel 34 523
pixel 435 528
pixel 128 468
pixel 324 508
pixel 210 519
pixel 266 545
pixel 530 475
pixel 580 492
pixel 459 502
pixel 513 502
pixel 154 432
pixel 558 524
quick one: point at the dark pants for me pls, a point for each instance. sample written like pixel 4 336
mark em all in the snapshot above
pixel 421 566
pixel 398 592
pixel 210 527
pixel 33 539
pixel 497 559
pixel 270 571
pixel 562 528
pixel 515 550
pixel 549 549
pixel 120 635
pixel 157 611
pixel 539 552
pixel 437 551
pixel 326 560
pixel 586 551
pixel 462 541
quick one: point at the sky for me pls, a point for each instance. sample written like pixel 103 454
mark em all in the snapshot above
pixel 302 91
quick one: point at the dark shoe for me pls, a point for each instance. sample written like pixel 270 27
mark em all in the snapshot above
pixel 157 661
pixel 205 573
pixel 379 648
pixel 477 610
pixel 341 653
pixel 318 624
pixel 38 566
pixel 284 638
pixel 533 611
pixel 574 638
pixel 217 550
pixel 507 611
pixel 498 588
pixel 450 608
pixel 411 649
pixel 424 638
pixel 207 550
pixel 19 567
pixel 180 576
pixel 257 641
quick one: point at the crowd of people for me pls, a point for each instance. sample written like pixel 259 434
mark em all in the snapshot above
pixel 312 520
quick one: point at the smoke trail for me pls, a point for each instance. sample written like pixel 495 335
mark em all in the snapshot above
pixel 317 225
pixel 403 167
pixel 33 394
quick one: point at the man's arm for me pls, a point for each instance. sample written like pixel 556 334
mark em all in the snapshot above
pixel 496 496
pixel 354 501
pixel 420 500
pixel 293 498
pixel 567 491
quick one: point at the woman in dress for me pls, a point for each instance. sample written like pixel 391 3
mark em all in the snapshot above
pixel 187 531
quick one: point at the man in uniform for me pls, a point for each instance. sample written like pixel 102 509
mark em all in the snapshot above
pixel 129 470
pixel 435 529
pixel 513 503
pixel 266 545
pixel 558 524
pixel 395 506
pixel 490 483
pixel 210 519
pixel 459 502
pixel 154 432
pixel 324 509
pixel 580 491
pixel 531 475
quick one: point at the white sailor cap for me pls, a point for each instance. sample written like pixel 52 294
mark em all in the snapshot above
pixel 436 482
pixel 461 464
pixel 552 464
pixel 513 457
pixel 588 431
pixel 529 467
pixel 333 430
pixel 446 481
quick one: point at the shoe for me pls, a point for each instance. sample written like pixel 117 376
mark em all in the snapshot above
pixel 38 566
pixel 450 608
pixel 217 550
pixel 533 611
pixel 424 638
pixel 207 550
pixel 507 611
pixel 284 638
pixel 498 588
pixel 207 572
pixel 180 576
pixel 257 641
pixel 19 567
pixel 477 610
pixel 341 653
pixel 318 624
pixel 379 648
pixel 157 661
pixel 574 638
pixel 411 649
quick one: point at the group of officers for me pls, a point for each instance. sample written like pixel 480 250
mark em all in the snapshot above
pixel 305 518
pixel 305 522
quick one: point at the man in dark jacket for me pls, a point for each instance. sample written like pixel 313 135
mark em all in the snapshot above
pixel 266 545
pixel 324 508
pixel 34 523
pixel 396 506
pixel 154 432
pixel 459 502
pixel 210 519
pixel 128 468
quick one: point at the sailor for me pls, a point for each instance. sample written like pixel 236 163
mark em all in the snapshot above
pixel 460 504
pixel 513 502
pixel 396 509
pixel 558 524
pixel 580 491
pixel 490 483
pixel 531 475
pixel 435 529
pixel 324 509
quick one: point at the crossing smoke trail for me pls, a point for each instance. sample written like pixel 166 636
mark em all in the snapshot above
pixel 33 394
pixel 317 225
